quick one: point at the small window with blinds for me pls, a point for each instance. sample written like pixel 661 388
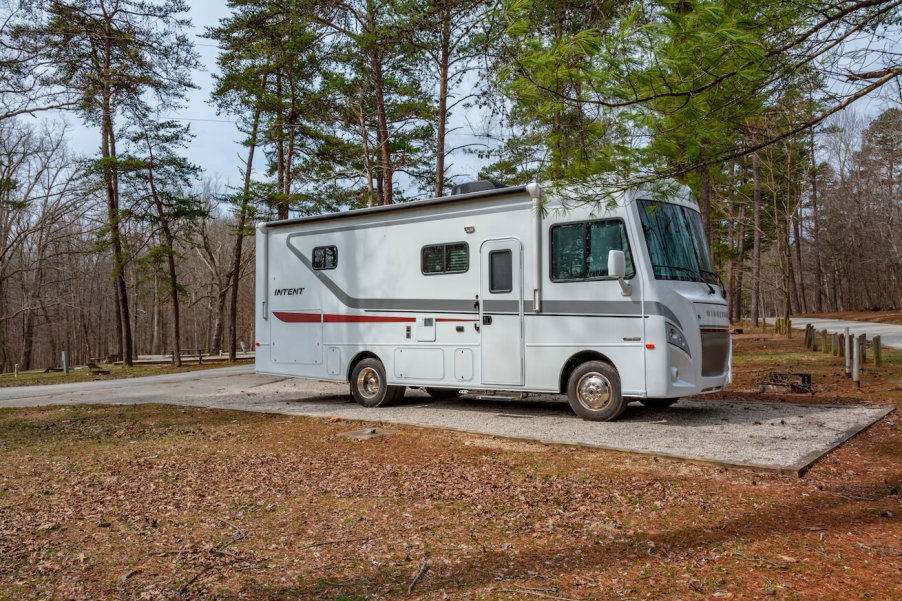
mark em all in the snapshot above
pixel 325 257
pixel 437 259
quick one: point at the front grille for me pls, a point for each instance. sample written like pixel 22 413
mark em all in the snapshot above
pixel 715 352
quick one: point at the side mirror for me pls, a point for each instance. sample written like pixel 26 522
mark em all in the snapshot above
pixel 617 269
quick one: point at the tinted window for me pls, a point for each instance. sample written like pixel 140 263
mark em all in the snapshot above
pixel 501 272
pixel 325 257
pixel 445 258
pixel 579 251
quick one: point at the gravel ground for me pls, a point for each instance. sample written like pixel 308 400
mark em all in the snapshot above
pixel 772 436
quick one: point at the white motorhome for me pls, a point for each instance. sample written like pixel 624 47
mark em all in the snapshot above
pixel 484 291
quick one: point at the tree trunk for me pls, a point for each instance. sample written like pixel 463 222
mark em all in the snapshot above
pixel 243 215
pixel 221 298
pixel 111 181
pixel 443 66
pixel 382 136
pixel 27 340
pixel 731 259
pixel 756 243
pixel 281 201
pixel 704 194
pixel 155 326
pixel 815 234
pixel 169 240
pixel 800 276
pixel 367 155
pixel 740 252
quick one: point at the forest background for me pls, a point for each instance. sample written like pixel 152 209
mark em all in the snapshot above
pixel 128 190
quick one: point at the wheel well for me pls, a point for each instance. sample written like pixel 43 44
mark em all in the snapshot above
pixel 357 359
pixel 574 362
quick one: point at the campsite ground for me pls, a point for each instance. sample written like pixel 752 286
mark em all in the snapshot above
pixel 83 374
pixel 161 502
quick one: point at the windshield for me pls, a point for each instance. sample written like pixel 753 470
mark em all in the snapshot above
pixel 676 242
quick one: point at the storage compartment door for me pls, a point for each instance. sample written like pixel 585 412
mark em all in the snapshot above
pixel 296 337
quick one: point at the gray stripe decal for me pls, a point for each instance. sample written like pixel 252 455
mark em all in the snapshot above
pixel 501 306
pixel 610 308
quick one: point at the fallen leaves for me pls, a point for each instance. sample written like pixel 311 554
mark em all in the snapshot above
pixel 203 506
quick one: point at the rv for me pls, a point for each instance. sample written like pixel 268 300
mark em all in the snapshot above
pixel 498 290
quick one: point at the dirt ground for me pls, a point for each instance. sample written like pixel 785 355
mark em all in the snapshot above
pixel 757 353
pixel 152 502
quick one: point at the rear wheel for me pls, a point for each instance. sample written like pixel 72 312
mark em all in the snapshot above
pixel 658 403
pixel 368 385
pixel 442 393
pixel 593 391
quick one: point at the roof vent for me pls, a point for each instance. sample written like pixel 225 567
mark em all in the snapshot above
pixel 477 186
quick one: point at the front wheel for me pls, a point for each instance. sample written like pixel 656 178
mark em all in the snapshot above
pixel 593 391
pixel 368 385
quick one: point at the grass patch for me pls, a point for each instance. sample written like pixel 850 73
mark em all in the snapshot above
pixel 81 374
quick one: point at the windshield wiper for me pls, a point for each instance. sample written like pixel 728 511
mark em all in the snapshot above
pixel 719 282
pixel 696 273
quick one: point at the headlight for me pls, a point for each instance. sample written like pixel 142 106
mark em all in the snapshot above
pixel 676 338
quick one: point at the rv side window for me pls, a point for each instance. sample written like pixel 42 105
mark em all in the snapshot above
pixel 445 258
pixel 501 272
pixel 579 251
pixel 325 257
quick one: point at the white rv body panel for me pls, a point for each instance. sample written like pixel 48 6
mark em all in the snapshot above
pixel 511 329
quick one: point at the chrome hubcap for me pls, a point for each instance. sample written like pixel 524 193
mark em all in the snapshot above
pixel 594 391
pixel 368 382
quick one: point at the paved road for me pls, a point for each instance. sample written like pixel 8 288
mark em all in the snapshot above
pixel 890 334
pixel 769 436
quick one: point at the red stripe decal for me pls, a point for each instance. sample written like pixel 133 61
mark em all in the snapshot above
pixel 367 319
pixel 297 317
pixel 447 319
pixel 291 317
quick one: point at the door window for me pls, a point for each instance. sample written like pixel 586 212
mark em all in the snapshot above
pixel 501 271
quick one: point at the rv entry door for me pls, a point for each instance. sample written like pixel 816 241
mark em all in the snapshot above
pixel 501 312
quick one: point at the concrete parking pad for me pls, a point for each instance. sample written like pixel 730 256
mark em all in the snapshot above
pixel 767 436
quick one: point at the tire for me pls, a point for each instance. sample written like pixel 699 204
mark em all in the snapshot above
pixel 593 391
pixel 442 393
pixel 369 387
pixel 658 403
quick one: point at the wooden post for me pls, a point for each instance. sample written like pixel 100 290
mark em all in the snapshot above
pixel 856 363
pixel 863 340
pixel 824 348
pixel 878 354
pixel 848 354
pixel 841 342
pixel 789 328
pixel 16 371
pixel 834 344
pixel 200 357
pixel 808 330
